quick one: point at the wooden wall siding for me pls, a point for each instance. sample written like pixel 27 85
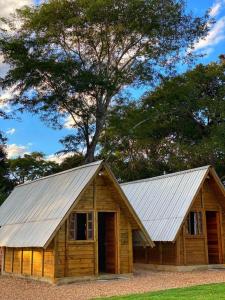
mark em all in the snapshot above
pixel 189 250
pixel 65 258
pixel 194 250
pixel 29 261
pixel 79 258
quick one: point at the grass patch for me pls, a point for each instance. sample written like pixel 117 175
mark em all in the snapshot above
pixel 200 292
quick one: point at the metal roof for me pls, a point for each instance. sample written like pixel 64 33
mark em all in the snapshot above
pixel 162 202
pixel 34 210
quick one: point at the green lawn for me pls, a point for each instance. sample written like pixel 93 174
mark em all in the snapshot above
pixel 201 292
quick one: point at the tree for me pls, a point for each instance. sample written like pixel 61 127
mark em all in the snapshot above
pixel 179 125
pixel 74 57
pixel 6 184
pixel 30 167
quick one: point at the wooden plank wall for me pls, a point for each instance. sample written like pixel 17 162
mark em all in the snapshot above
pixel 189 250
pixel 35 262
pixel 194 249
pixel 79 258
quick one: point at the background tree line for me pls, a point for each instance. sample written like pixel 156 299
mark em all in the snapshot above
pixel 76 58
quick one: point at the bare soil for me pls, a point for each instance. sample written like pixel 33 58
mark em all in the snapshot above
pixel 143 281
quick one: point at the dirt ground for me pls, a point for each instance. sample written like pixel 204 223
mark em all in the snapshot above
pixel 143 281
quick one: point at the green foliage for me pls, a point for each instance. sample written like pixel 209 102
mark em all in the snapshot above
pixel 74 57
pixel 180 125
pixel 31 166
pixel 5 184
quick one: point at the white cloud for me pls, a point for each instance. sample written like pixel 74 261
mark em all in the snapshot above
pixel 11 131
pixel 215 35
pixel 8 6
pixel 58 158
pixel 69 122
pixel 14 150
pixel 216 8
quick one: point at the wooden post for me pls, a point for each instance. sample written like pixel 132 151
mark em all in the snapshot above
pixel 160 253
pixel 43 262
pixel 178 250
pixel 118 241
pixel 96 271
pixel 184 246
pixel 21 262
pixel 222 235
pixel 31 264
pixel 66 254
pixel 12 259
pixel 3 259
pixel 130 248
pixel 95 229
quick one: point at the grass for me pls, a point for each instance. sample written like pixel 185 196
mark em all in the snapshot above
pixel 201 292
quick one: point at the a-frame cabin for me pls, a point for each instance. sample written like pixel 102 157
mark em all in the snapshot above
pixel 184 213
pixel 69 226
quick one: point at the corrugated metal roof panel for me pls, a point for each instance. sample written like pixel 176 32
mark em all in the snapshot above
pixel 33 210
pixel 162 202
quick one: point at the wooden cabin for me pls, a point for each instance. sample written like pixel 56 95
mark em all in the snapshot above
pixel 70 226
pixel 184 213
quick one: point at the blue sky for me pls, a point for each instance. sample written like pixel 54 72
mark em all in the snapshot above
pixel 30 134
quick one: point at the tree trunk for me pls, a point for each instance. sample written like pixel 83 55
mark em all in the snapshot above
pixel 90 154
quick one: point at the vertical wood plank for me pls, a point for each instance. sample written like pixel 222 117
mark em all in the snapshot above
pixel 118 241
pixel 184 246
pixel 12 259
pixel 130 248
pixel 21 262
pixel 3 258
pixel 43 263
pixel 66 251
pixel 178 241
pixel 31 263
pixel 160 253
pixel 222 236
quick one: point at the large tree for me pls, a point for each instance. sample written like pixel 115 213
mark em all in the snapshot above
pixel 73 57
pixel 179 125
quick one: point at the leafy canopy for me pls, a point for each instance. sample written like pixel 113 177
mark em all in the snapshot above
pixel 71 58
pixel 179 125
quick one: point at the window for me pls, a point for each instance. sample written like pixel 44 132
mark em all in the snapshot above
pixel 194 223
pixel 81 226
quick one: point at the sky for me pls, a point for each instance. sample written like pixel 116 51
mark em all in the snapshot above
pixel 27 133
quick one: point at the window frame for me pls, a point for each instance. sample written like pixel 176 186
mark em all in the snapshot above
pixel 199 230
pixel 89 222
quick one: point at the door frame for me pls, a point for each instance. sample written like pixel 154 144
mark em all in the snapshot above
pixel 117 239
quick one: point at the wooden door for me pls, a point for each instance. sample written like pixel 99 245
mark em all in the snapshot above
pixel 110 243
pixel 213 237
pixel 106 242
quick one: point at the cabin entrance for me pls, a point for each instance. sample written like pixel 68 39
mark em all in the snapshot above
pixel 106 242
pixel 213 237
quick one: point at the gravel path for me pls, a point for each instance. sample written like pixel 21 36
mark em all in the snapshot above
pixel 143 281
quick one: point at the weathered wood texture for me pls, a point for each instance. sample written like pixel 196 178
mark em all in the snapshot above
pixel 188 249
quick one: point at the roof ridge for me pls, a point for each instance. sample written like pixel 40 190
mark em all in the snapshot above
pixel 167 175
pixel 60 173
